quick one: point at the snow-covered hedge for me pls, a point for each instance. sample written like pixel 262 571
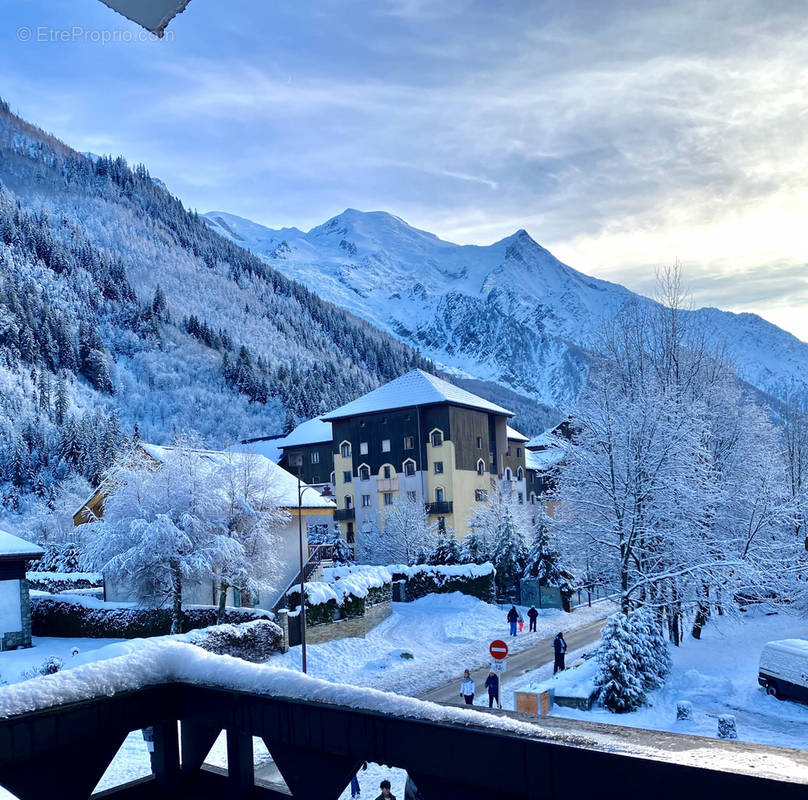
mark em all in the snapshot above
pixel 254 641
pixel 476 580
pixel 55 582
pixel 86 617
pixel 345 593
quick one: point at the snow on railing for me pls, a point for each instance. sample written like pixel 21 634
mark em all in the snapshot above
pixel 148 663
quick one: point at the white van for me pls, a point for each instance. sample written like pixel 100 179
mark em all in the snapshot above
pixel 784 669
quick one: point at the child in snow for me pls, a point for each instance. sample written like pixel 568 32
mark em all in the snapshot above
pixel 386 793
pixel 521 620
pixel 467 688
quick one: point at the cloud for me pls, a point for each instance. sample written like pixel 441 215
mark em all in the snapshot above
pixel 621 135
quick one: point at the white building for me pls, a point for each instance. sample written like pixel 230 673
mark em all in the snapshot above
pixel 282 490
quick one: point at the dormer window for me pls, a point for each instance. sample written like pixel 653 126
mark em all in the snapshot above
pixel 409 468
pixel 364 473
pixel 386 472
pixel 345 449
pixel 437 438
pixel 480 467
pixel 520 474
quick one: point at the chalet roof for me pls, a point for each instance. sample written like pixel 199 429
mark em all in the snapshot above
pixel 283 484
pixel 515 436
pixel 312 431
pixel 12 547
pixel 544 460
pixel 416 388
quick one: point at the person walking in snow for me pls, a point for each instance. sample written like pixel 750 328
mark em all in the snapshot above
pixel 386 794
pixel 492 684
pixel 532 614
pixel 513 618
pixel 356 789
pixel 467 688
pixel 559 648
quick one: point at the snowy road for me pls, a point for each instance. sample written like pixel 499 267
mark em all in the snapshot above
pixel 428 643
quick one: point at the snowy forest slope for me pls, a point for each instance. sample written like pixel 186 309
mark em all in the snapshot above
pixel 119 308
pixel 509 312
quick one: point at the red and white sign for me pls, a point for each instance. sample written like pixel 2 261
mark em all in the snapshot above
pixel 498 649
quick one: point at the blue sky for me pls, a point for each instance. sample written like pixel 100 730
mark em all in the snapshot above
pixel 622 135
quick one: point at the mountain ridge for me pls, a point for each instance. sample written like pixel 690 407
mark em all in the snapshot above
pixel 459 303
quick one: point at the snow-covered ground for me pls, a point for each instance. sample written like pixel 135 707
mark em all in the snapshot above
pixel 13 663
pixel 718 675
pixel 428 642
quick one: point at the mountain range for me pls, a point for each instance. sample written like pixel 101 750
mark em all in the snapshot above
pixel 509 312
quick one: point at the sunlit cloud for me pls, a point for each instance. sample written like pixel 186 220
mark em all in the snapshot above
pixel 620 136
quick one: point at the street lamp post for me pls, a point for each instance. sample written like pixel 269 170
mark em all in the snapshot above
pixel 302 615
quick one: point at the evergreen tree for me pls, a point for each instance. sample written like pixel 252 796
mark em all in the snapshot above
pixel 544 561
pixel 446 549
pixel 620 675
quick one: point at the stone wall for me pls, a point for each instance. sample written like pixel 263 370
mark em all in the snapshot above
pixel 355 627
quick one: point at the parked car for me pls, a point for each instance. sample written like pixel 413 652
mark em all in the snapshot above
pixel 784 669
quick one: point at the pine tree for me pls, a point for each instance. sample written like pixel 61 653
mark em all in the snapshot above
pixel 446 549
pixel 475 548
pixel 544 561
pixel 620 677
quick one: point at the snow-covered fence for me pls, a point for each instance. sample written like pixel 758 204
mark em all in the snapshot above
pixel 476 580
pixel 76 616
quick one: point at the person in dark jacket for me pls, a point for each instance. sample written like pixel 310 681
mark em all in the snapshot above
pixel 386 794
pixel 532 614
pixel 492 684
pixel 513 618
pixel 559 648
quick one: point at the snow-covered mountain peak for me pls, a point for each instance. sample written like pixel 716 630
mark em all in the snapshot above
pixel 510 312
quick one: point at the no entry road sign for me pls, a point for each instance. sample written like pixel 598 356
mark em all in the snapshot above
pixel 498 649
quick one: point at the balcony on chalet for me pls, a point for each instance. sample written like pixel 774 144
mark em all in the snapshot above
pixel 442 507
pixel 387 485
pixel 342 514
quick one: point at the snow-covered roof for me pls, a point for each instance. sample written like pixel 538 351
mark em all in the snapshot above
pixel 268 448
pixel 283 483
pixel 12 546
pixel 416 388
pixel 543 460
pixel 312 431
pixel 515 436
pixel 796 646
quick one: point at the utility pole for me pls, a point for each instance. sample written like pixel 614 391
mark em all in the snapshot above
pixel 302 615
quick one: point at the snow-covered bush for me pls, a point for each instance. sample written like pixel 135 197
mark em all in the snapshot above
pixel 71 616
pixel 50 666
pixel 254 641
pixel 476 580
pixel 345 594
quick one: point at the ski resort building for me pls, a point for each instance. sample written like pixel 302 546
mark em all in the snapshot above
pixel 308 451
pixel 422 438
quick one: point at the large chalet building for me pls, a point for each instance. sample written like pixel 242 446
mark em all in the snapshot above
pixel 417 437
